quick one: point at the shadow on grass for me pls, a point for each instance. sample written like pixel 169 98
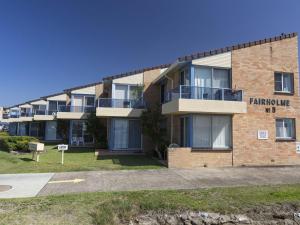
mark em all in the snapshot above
pixel 80 150
pixel 26 159
pixel 131 160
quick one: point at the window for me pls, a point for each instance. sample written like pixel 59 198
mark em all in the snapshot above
pixel 184 77
pixel 162 93
pixel 285 128
pixel 125 134
pixel 213 132
pixel 184 131
pixel 284 82
pixel 212 77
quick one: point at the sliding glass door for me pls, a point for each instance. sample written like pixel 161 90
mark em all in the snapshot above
pixel 212 132
pixel 125 134
pixel 79 134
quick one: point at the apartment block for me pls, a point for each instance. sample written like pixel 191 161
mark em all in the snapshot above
pixel 233 106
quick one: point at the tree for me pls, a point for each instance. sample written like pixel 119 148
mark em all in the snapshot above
pixel 63 129
pixel 95 128
pixel 152 120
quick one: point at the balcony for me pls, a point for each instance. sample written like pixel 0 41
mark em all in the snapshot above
pixel 193 99
pixel 108 107
pixel 44 115
pixel 17 117
pixel 74 112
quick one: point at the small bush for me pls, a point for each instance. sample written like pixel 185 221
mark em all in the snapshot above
pixel 12 143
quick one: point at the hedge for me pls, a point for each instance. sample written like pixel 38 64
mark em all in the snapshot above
pixel 12 143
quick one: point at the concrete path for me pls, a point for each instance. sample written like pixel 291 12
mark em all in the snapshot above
pixel 170 179
pixel 29 185
pixel 23 185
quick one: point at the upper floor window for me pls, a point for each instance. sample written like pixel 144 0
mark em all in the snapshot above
pixel 124 91
pixel 184 77
pixel 284 82
pixel 285 128
pixel 212 77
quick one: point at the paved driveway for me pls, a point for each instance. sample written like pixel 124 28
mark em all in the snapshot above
pixel 23 185
pixel 29 185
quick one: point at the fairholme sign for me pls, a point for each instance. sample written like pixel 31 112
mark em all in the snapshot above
pixel 269 102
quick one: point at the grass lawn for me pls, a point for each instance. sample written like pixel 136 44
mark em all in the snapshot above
pixel 75 160
pixel 108 208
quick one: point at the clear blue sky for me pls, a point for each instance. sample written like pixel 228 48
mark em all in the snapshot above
pixel 50 45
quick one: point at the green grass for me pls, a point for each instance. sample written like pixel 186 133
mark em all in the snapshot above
pixel 109 208
pixel 75 160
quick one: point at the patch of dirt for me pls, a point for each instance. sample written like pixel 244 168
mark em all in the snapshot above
pixel 280 214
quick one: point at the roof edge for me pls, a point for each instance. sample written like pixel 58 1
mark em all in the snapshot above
pixel 236 47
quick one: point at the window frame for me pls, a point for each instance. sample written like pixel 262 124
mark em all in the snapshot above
pixel 211 148
pixel 292 83
pixel 293 138
pixel 229 70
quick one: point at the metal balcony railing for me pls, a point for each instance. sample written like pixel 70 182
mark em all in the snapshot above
pixel 204 93
pixel 121 103
pixel 26 114
pixel 83 109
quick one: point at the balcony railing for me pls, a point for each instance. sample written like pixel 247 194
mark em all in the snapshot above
pixel 26 114
pixel 44 112
pixel 121 103
pixel 83 109
pixel 204 93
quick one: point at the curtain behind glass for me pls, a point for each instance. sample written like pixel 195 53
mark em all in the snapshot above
pixel 201 131
pixel 221 131
pixel 287 83
pixel 280 132
pixel 134 134
pixel 289 128
pixel 221 78
pixel 202 83
pixel 120 129
pixel 22 129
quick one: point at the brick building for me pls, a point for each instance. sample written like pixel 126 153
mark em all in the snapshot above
pixel 232 106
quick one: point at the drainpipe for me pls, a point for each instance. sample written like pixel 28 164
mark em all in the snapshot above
pixel 172 86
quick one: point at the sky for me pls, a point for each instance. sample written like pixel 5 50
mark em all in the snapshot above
pixel 50 45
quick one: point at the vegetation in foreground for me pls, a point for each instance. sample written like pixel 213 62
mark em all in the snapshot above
pixel 118 207
pixel 75 160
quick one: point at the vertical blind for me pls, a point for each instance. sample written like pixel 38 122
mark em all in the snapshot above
pixel 126 134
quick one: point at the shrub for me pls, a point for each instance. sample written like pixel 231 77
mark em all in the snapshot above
pixel 3 133
pixel 11 143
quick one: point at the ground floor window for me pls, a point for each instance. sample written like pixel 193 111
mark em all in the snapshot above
pixel 37 129
pixel 51 131
pixel 13 128
pixel 206 131
pixel 79 134
pixel 285 128
pixel 23 129
pixel 125 134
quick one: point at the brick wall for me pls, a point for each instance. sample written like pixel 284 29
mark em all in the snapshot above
pixel 253 71
pixel 188 158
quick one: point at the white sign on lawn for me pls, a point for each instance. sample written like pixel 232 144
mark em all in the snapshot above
pixel 62 148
